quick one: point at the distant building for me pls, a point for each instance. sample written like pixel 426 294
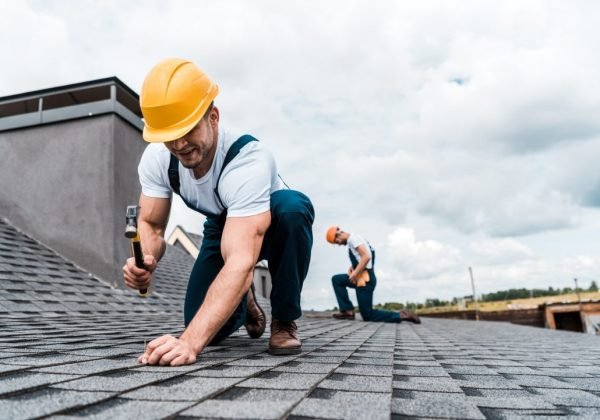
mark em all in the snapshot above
pixel 569 316
pixel 262 279
pixel 574 316
pixel 69 169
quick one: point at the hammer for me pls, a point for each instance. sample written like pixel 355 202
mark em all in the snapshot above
pixel 131 232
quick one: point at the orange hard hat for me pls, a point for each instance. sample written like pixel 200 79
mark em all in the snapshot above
pixel 175 95
pixel 330 235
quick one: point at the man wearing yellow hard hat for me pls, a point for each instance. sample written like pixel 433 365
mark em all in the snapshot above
pixel 360 276
pixel 250 215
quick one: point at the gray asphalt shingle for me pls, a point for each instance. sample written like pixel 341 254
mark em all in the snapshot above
pixel 330 404
pixel 568 397
pixel 248 403
pixel 344 382
pixel 184 388
pixel 240 409
pixel 46 401
pixel 428 404
pixel 21 381
pixel 125 409
pixel 284 380
pixel 120 381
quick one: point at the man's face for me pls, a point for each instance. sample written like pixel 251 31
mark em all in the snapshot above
pixel 198 145
pixel 340 238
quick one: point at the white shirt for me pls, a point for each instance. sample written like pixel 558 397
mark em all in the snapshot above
pixel 354 241
pixel 245 186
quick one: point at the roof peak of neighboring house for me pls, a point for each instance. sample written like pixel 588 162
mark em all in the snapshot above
pixel 190 242
pixel 69 102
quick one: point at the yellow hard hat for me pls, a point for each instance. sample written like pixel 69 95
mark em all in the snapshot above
pixel 175 95
pixel 330 235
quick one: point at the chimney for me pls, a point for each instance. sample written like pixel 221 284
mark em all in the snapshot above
pixel 69 169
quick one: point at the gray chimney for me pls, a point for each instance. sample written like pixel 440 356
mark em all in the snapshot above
pixel 68 169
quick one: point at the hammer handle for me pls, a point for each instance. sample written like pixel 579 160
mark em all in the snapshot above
pixel 137 253
pixel 139 260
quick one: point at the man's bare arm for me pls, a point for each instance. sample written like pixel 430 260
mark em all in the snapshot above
pixel 152 221
pixel 240 246
pixel 364 260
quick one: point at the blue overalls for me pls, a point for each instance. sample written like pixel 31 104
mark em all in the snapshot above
pixel 364 295
pixel 286 246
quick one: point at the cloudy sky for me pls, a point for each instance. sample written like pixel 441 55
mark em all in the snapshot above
pixel 450 134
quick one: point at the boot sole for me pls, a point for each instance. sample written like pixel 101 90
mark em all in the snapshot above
pixel 285 352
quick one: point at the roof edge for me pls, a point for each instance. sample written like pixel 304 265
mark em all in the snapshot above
pixel 101 81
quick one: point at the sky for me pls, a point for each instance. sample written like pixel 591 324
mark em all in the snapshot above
pixel 450 134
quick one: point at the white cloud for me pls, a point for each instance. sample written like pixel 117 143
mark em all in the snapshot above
pixel 506 250
pixel 421 259
pixel 475 119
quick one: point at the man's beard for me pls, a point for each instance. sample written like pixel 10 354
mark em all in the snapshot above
pixel 197 162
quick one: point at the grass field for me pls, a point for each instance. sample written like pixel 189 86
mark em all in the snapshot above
pixel 515 303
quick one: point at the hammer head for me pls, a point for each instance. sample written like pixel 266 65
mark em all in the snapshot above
pixel 131 221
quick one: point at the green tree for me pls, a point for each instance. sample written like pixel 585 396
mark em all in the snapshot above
pixel 593 286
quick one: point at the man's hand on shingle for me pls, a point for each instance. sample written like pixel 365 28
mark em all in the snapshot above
pixel 168 351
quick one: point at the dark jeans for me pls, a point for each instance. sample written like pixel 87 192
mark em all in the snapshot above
pixel 286 246
pixel 364 296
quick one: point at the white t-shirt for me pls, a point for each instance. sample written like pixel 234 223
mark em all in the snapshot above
pixel 245 186
pixel 354 241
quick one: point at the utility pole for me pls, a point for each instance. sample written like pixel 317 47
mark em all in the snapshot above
pixel 474 295
pixel 580 306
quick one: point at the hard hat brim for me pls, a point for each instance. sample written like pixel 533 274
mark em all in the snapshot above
pixel 163 135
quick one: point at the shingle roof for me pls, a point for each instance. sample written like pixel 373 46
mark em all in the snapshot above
pixel 69 346
pixel 35 281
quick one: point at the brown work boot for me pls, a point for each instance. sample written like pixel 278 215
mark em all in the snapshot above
pixel 409 316
pixel 344 315
pixel 284 338
pixel 256 321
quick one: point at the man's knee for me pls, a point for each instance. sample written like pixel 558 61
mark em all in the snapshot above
pixel 339 280
pixel 293 205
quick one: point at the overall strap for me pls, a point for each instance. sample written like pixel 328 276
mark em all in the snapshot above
pixel 174 174
pixel 372 256
pixel 353 259
pixel 233 151
pixel 175 184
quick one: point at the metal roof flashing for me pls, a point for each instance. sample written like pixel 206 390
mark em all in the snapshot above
pixel 70 102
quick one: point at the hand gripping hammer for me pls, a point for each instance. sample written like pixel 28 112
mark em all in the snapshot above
pixel 131 232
